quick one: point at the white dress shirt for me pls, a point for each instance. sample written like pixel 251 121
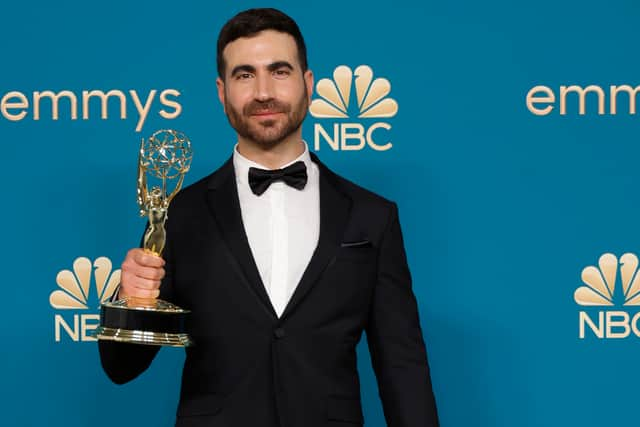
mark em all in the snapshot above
pixel 282 226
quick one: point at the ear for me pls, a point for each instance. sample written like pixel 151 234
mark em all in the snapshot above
pixel 308 81
pixel 220 86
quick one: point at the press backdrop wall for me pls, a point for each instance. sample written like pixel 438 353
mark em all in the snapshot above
pixel 502 204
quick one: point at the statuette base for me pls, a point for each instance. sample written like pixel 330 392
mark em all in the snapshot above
pixel 155 322
pixel 143 337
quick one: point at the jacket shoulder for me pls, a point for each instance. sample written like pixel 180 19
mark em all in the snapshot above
pixel 196 191
pixel 370 213
pixel 357 193
pixel 361 194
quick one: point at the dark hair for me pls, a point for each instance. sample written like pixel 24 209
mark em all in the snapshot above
pixel 250 22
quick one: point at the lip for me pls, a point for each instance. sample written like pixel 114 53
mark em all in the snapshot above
pixel 266 113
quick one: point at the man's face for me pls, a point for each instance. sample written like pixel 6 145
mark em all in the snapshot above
pixel 265 94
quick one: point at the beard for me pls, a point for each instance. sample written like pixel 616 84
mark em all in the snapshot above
pixel 269 132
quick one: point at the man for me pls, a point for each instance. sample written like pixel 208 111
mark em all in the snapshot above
pixel 283 265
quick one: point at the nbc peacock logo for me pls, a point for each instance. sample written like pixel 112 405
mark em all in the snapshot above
pixel 336 102
pixel 75 296
pixel 614 282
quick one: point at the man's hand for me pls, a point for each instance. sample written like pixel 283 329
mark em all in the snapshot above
pixel 141 275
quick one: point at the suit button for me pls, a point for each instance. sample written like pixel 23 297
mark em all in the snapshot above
pixel 278 333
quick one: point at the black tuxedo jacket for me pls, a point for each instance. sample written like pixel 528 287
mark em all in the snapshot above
pixel 248 367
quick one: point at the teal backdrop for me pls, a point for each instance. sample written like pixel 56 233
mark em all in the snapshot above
pixel 501 208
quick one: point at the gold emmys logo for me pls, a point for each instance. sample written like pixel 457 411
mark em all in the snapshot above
pixel 601 291
pixel 541 99
pixel 16 106
pixel 75 292
pixel 371 101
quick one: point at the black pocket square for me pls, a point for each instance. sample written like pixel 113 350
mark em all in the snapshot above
pixel 358 244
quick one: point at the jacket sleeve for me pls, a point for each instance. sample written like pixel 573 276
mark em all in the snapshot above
pixel 123 362
pixel 398 353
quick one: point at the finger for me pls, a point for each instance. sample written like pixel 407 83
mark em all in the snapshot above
pixel 129 281
pixel 141 283
pixel 151 260
pixel 140 293
pixel 146 259
pixel 152 273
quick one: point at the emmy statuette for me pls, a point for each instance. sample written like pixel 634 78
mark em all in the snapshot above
pixel 164 157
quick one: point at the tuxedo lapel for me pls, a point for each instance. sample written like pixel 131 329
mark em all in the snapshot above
pixel 334 214
pixel 225 206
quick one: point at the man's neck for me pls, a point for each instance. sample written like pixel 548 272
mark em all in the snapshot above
pixel 272 157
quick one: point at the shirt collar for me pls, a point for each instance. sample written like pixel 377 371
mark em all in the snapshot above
pixel 241 164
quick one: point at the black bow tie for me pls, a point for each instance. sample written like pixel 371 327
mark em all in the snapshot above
pixel 294 175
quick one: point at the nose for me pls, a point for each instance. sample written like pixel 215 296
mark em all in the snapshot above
pixel 264 87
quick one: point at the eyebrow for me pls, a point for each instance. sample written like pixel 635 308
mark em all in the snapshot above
pixel 279 64
pixel 251 69
pixel 244 67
